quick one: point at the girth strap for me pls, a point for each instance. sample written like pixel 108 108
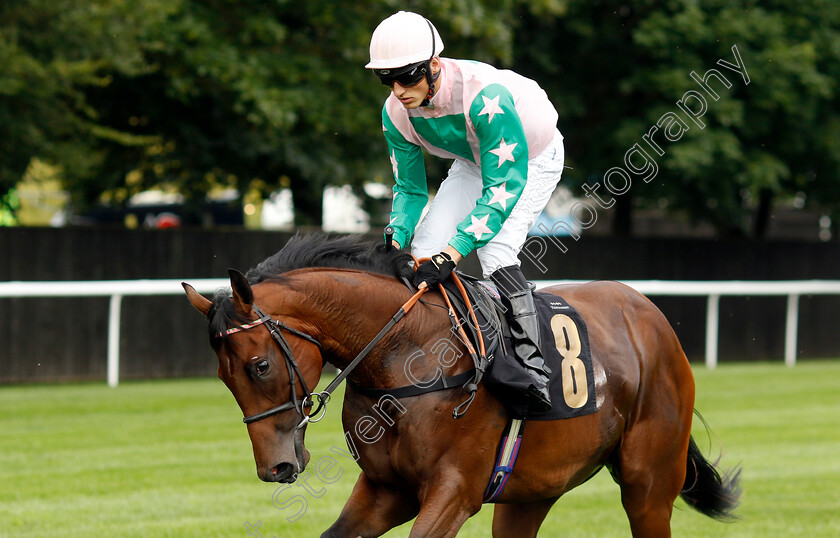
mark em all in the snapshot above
pixel 441 383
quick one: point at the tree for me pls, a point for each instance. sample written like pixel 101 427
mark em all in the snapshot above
pixel 48 60
pixel 195 94
pixel 631 62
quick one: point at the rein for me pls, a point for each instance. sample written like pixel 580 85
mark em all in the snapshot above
pixel 274 327
pixel 381 334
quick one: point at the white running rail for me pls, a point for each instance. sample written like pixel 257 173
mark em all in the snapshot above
pixel 713 290
pixel 116 290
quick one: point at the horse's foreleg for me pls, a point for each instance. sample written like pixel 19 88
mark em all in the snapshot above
pixel 520 520
pixel 445 508
pixel 372 510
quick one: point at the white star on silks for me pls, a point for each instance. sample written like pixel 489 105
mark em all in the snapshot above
pixel 505 152
pixel 491 108
pixel 394 164
pixel 479 227
pixel 500 196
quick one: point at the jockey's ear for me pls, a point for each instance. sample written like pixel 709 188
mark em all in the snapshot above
pixel 435 65
pixel 243 296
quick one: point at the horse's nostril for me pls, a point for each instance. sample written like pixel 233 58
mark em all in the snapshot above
pixel 282 472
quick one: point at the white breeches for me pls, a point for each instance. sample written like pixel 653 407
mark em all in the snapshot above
pixel 457 197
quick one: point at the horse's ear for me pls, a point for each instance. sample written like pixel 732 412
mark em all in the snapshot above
pixel 243 296
pixel 199 302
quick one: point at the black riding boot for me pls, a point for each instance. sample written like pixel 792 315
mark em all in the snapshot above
pixel 524 327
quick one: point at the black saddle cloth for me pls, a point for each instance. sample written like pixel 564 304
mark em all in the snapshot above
pixel 565 347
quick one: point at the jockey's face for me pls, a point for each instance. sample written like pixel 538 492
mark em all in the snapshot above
pixel 412 96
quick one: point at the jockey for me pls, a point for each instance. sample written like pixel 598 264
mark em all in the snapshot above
pixel 500 129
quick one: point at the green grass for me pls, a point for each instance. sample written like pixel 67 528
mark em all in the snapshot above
pixel 173 458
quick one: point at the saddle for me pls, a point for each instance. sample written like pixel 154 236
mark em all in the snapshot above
pixel 565 344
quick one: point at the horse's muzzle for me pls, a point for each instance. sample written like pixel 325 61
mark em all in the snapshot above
pixel 282 472
pixel 287 472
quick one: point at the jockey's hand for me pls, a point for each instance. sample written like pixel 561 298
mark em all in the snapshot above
pixel 434 271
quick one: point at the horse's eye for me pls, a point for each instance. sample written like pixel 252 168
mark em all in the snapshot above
pixel 261 368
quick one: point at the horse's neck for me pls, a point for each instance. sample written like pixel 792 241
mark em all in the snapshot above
pixel 346 309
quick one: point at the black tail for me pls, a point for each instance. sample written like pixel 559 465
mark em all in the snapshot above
pixel 706 490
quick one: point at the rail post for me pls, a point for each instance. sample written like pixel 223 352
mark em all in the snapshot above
pixel 114 314
pixel 791 328
pixel 712 325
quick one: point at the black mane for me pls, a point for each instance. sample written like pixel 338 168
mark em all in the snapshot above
pixel 324 250
pixel 311 250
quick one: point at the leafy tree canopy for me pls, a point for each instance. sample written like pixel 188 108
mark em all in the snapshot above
pixel 194 94
pixel 615 68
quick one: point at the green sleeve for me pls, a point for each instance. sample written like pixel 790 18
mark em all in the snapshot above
pixel 504 166
pixel 410 191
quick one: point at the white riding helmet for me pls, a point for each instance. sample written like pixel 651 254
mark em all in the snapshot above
pixel 403 38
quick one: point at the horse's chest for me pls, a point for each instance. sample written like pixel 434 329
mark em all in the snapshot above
pixel 386 440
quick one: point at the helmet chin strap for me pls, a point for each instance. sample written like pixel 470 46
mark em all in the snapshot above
pixel 431 79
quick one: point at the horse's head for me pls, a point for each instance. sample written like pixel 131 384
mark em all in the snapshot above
pixel 268 375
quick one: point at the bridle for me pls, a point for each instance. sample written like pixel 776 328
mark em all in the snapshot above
pixel 275 327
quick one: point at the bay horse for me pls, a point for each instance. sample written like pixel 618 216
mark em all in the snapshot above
pixel 323 299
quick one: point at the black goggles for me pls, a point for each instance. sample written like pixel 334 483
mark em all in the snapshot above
pixel 407 76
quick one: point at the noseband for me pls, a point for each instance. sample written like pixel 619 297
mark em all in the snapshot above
pixel 274 327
